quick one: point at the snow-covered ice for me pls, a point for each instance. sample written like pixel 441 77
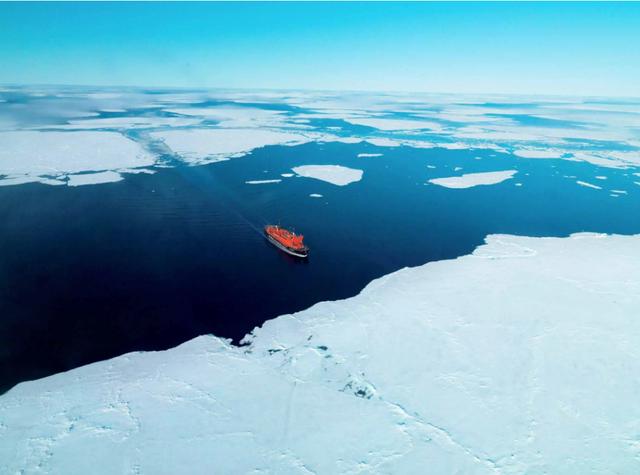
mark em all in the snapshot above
pixel 335 174
pixel 93 178
pixel 520 358
pixel 198 146
pixel 474 179
pixel 42 155
pixel 261 182
pixel 395 124
pixel 538 153
pixel 588 185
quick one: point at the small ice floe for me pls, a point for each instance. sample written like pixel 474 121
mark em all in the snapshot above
pixel 601 177
pixel 537 153
pixel 94 178
pixel 474 179
pixel 363 155
pixel 588 185
pixel 431 166
pixel 518 184
pixel 287 175
pixel 315 195
pixel 619 192
pixel 456 169
pixel 136 171
pixel 334 174
pixel 637 183
pixel 261 182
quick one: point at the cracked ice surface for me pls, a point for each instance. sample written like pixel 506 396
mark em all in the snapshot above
pixel 520 358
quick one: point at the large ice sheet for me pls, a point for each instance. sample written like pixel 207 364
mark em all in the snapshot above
pixel 37 155
pixel 334 174
pixel 520 358
pixel 474 179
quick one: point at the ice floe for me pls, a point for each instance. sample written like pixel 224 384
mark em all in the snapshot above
pixel 394 124
pixel 315 195
pixel 519 358
pixel 363 155
pixel 538 153
pixel 44 155
pixel 93 178
pixel 199 146
pixel 236 116
pixel 261 182
pixel 474 179
pixel 287 175
pixel 588 185
pixel 334 174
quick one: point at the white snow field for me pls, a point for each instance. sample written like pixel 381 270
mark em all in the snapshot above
pixel 27 156
pixel 334 174
pixel 474 179
pixel 200 146
pixel 520 358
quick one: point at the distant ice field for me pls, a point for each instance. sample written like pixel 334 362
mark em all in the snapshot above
pixel 198 127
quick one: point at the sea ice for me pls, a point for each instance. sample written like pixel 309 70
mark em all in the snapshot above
pixel 315 195
pixel 362 155
pixel 260 182
pixel 538 153
pixel 198 146
pixel 395 124
pixel 588 185
pixel 45 155
pixel 335 174
pixel 93 178
pixel 474 179
pixel 519 358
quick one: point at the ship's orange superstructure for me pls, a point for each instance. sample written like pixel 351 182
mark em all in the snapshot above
pixel 286 240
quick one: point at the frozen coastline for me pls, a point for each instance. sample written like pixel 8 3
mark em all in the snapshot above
pixel 522 357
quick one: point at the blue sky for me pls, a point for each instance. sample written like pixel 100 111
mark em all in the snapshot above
pixel 530 48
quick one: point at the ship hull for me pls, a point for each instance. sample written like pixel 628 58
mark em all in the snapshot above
pixel 288 250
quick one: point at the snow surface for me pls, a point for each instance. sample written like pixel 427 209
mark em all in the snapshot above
pixel 474 179
pixel 334 174
pixel 39 156
pixel 199 146
pixel 520 358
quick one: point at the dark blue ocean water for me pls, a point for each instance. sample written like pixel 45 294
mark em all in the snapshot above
pixel 92 272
